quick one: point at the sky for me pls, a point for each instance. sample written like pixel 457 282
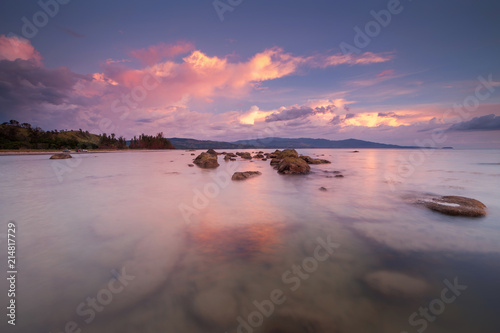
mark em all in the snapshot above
pixel 403 72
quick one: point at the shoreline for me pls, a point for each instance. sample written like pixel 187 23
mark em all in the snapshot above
pixel 51 152
pixel 47 152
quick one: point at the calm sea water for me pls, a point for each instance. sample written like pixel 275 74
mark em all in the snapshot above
pixel 140 242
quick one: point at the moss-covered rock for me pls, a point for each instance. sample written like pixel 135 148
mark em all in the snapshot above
pixel 206 161
pixel 293 166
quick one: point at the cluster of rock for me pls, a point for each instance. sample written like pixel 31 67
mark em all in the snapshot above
pixel 289 162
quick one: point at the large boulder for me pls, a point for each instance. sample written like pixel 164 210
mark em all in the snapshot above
pixel 206 161
pixel 259 156
pixel 245 175
pixel 289 153
pixel 293 166
pixel 455 206
pixel 60 156
pixel 275 162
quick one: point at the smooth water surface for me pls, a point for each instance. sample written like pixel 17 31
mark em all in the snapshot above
pixel 140 242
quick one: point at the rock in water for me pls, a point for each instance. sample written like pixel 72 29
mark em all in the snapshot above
pixel 245 175
pixel 275 162
pixel 455 206
pixel 206 161
pixel 246 156
pixel 60 156
pixel 212 152
pixel 289 153
pixel 311 160
pixel 293 166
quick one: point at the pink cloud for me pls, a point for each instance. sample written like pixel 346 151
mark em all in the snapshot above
pixel 12 48
pixel 201 76
pixel 386 73
pixel 366 58
pixel 161 51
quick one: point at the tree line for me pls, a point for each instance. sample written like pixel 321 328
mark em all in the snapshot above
pixel 16 135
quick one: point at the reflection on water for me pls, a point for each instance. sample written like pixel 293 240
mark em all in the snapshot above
pixel 216 271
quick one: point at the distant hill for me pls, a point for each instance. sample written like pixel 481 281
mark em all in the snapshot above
pixel 183 143
pixel 274 142
pixel 23 136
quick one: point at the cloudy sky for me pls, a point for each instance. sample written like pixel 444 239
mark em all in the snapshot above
pixel 395 72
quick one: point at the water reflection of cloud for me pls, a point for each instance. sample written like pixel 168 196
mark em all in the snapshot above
pixel 240 241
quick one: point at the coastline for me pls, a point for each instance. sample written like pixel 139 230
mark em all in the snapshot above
pixel 46 152
pixel 51 152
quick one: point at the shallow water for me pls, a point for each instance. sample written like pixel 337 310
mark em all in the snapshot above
pixel 170 248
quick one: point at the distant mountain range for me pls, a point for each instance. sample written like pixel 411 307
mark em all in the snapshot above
pixel 273 142
pixel 182 143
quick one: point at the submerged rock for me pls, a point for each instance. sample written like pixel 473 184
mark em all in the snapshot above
pixel 206 161
pixel 293 166
pixel 245 175
pixel 207 305
pixel 60 156
pixel 190 165
pixel 455 206
pixel 394 284
pixel 323 189
pixel 311 160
